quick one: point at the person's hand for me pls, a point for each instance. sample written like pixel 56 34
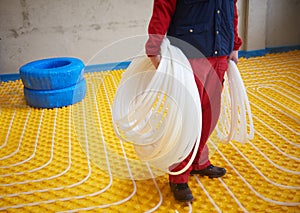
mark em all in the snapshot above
pixel 155 60
pixel 234 56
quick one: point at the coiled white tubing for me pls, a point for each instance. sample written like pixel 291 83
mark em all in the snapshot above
pixel 159 111
pixel 235 121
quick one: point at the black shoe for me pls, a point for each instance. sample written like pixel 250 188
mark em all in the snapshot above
pixel 211 171
pixel 182 192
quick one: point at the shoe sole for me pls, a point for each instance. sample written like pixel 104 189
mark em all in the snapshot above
pixel 210 176
pixel 186 201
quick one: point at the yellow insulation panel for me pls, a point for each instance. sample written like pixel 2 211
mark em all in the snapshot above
pixel 69 159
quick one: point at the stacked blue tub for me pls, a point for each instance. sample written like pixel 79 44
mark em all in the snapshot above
pixel 53 82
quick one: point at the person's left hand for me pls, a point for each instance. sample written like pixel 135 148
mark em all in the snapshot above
pixel 234 56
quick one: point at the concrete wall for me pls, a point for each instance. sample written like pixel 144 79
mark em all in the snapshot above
pixel 256 25
pixel 282 27
pixel 35 29
pixel 242 11
pixel 270 23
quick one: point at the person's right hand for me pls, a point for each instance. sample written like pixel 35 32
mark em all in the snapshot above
pixel 155 60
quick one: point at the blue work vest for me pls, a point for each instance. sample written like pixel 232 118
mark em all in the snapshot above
pixel 206 25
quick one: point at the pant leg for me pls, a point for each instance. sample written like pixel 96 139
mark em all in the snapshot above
pixel 209 76
pixel 211 106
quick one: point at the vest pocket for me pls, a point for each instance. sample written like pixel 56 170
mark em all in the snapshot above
pixel 192 29
pixel 193 1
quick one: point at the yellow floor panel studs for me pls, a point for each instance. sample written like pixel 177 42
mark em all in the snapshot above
pixel 69 159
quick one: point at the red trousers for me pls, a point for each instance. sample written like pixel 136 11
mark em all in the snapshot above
pixel 209 75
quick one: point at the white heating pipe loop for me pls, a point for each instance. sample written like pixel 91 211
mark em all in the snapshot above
pixel 149 106
pixel 235 121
